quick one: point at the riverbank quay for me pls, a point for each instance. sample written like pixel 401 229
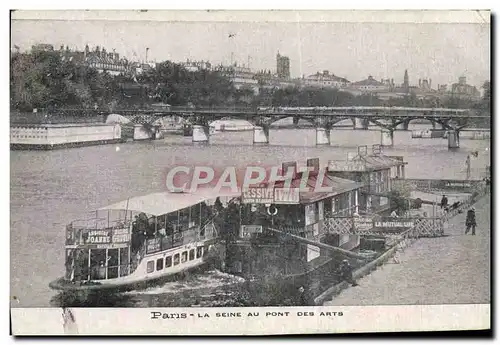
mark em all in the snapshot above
pixel 453 269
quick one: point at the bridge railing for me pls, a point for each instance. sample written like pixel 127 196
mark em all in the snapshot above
pixel 350 110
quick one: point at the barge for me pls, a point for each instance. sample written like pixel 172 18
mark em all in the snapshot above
pixel 53 136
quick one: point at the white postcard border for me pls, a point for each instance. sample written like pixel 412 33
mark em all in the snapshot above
pixel 49 320
pixel 263 321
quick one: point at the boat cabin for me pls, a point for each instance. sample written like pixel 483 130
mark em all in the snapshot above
pixel 300 212
pixel 375 171
pixel 141 238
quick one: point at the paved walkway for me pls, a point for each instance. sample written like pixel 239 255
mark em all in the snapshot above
pixel 447 270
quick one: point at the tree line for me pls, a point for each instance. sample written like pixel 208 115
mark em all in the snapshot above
pixel 45 80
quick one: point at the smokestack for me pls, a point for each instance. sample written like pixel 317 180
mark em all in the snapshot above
pixel 313 163
pixel 289 165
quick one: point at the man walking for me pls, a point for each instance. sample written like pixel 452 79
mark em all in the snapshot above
pixel 470 221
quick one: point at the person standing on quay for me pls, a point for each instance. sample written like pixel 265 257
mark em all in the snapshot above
pixel 444 202
pixel 470 221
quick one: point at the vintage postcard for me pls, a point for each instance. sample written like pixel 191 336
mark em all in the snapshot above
pixel 249 172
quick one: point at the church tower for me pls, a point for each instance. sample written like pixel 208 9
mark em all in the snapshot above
pixel 406 81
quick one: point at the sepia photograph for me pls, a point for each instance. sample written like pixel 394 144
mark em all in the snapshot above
pixel 226 161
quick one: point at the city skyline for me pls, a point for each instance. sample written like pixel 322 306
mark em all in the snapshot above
pixel 441 52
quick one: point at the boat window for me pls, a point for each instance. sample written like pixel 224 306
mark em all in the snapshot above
pixel 151 266
pixel 112 263
pixel 199 252
pixel 98 264
pixel 159 264
pixel 177 259
pixel 191 254
pixel 168 261
pixel 184 256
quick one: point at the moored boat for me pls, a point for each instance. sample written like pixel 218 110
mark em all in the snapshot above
pixel 140 241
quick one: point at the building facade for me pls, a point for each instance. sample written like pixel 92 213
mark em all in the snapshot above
pixel 241 77
pixel 464 90
pixel 42 47
pixel 195 66
pixel 102 61
pixel 325 80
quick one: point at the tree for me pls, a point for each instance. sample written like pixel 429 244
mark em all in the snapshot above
pixel 487 91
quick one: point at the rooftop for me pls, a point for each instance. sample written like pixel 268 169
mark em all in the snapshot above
pixel 370 81
pixel 365 163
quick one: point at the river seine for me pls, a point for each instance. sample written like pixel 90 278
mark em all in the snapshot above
pixel 51 188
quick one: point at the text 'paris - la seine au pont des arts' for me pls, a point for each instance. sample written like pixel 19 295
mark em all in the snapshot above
pixel 156 315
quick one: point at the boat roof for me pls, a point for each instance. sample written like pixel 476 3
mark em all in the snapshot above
pixel 367 163
pixel 161 203
pixel 336 185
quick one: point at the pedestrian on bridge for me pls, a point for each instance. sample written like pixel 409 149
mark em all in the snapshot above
pixel 470 221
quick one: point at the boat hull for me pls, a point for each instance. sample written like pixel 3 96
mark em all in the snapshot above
pixel 142 277
pixel 62 284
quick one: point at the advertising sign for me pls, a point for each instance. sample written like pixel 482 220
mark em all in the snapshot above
pixel 246 231
pixel 362 223
pixel 97 237
pixel 121 235
pixel 262 195
pixel 451 184
pixel 108 246
pixel 389 224
pixel 258 195
pixel 346 166
pixel 286 196
pixel 153 245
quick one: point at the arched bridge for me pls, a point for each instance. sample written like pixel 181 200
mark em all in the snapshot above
pixel 324 119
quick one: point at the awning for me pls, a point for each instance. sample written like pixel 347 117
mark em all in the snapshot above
pixel 157 204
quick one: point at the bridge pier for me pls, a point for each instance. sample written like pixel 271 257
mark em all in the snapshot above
pixel 322 136
pixel 261 135
pixel 200 134
pixel 386 137
pixel 453 139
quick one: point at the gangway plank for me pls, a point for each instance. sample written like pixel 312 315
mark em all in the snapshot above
pixel 322 245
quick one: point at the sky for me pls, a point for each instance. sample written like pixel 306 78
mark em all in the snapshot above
pixel 352 49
